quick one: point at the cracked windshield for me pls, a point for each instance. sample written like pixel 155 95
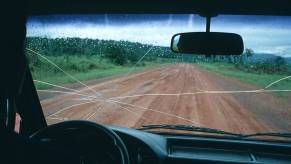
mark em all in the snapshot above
pixel 118 69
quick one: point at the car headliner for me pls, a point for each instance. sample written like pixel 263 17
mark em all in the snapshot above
pixel 236 7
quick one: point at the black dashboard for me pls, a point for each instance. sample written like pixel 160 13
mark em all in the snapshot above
pixel 152 148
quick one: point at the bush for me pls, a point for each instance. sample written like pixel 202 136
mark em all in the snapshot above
pixel 116 54
pixel 121 56
pixel 277 66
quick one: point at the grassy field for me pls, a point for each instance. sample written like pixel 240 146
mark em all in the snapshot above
pixel 258 79
pixel 82 68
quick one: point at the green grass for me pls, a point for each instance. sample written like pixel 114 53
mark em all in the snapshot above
pixel 82 68
pixel 259 79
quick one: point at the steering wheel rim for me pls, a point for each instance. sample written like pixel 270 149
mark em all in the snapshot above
pixel 85 124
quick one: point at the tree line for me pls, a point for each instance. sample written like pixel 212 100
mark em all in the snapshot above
pixel 119 52
pixel 129 53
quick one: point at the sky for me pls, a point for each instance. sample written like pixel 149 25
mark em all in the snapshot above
pixel 264 34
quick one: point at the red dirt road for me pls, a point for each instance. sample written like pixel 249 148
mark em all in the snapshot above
pixel 235 112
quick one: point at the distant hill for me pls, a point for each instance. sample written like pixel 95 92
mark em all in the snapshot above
pixel 288 60
pixel 264 56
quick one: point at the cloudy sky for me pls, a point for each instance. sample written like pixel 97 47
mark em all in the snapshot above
pixel 265 34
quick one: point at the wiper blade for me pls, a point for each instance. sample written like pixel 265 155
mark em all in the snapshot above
pixel 189 128
pixel 212 130
pixel 270 134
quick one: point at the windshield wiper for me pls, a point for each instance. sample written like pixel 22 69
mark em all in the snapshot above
pixel 189 128
pixel 269 134
pixel 212 130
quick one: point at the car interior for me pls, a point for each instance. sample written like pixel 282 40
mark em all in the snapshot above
pixel 81 141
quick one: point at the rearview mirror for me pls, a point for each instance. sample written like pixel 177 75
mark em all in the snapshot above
pixel 208 43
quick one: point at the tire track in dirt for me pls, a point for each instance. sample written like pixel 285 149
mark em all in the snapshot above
pixel 231 112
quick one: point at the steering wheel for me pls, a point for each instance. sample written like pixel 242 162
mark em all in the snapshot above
pixel 87 141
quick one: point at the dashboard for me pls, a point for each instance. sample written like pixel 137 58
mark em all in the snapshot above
pixel 149 148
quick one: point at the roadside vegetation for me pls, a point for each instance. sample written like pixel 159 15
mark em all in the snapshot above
pixel 87 59
pixel 260 72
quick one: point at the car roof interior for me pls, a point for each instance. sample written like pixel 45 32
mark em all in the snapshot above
pixel 238 7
